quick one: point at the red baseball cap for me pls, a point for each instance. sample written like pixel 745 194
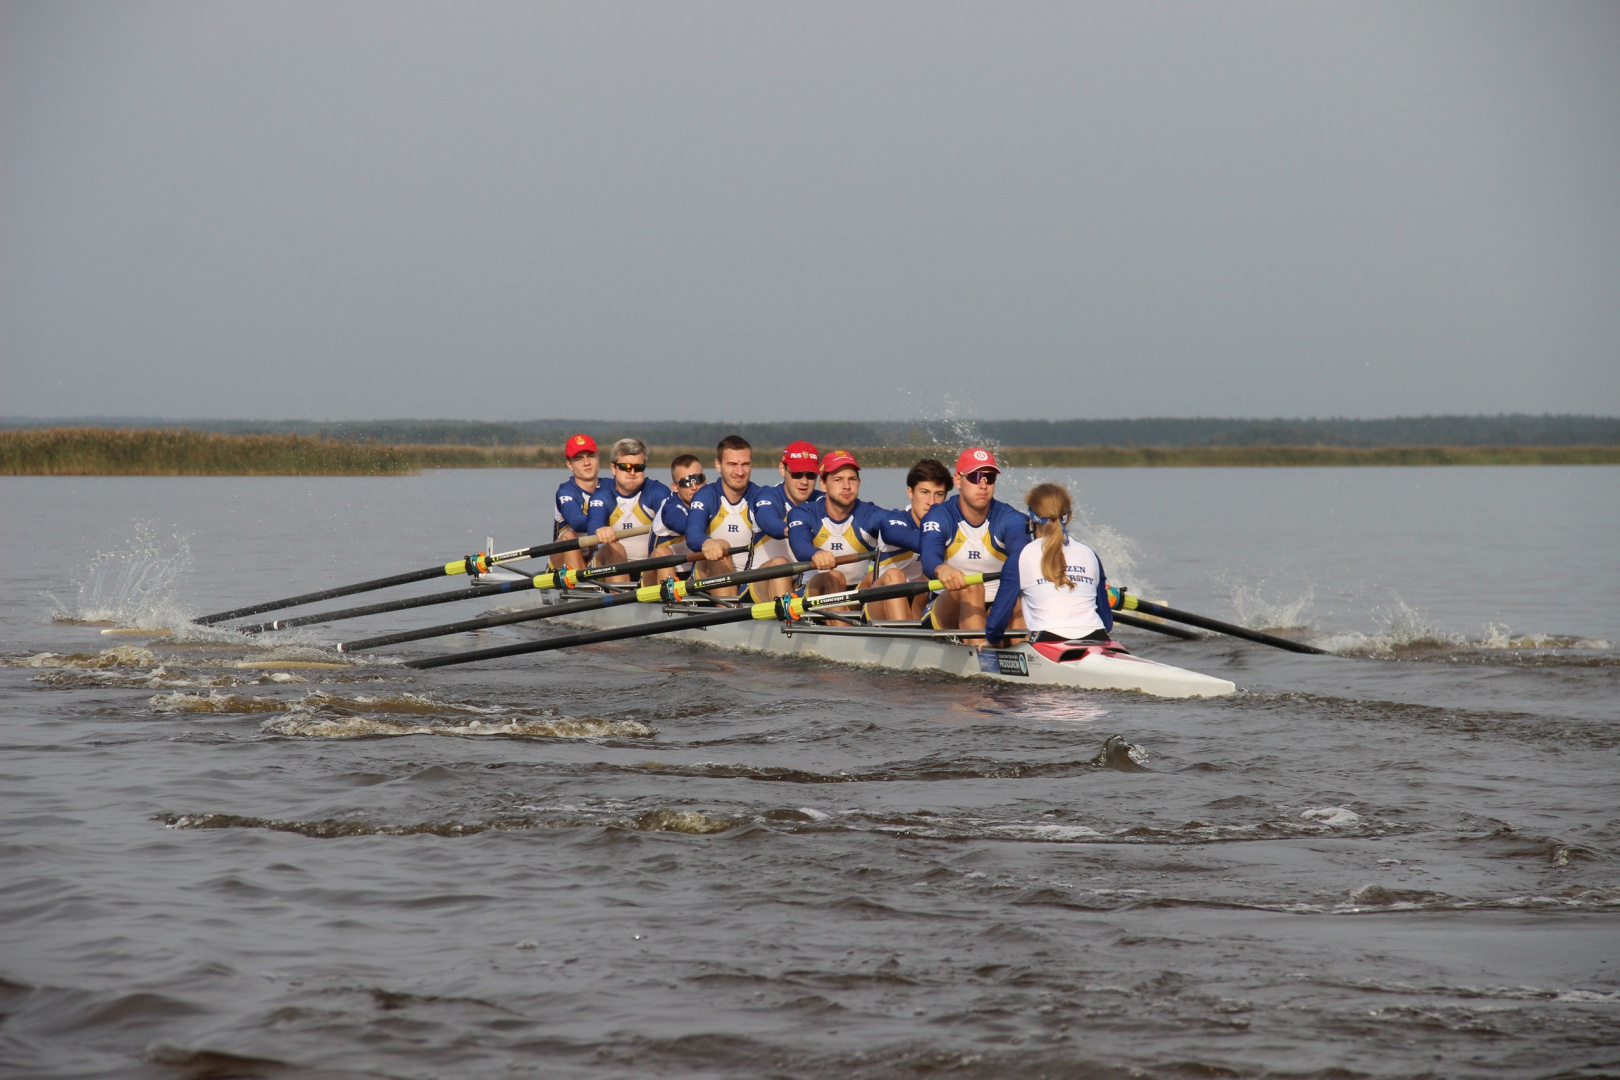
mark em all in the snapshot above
pixel 579 444
pixel 801 457
pixel 837 460
pixel 975 458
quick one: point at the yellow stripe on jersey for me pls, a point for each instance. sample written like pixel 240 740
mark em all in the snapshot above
pixel 638 511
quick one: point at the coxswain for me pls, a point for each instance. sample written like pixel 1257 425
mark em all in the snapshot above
pixel 841 524
pixel 573 505
pixel 800 468
pixel 669 527
pixel 631 501
pixel 972 533
pixel 1059 580
pixel 927 484
pixel 720 516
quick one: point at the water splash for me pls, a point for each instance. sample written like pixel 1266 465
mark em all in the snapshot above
pixel 134 585
pixel 1262 611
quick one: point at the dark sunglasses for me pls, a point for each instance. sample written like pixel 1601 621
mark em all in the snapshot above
pixel 981 476
pixel 625 466
pixel 803 475
pixel 695 480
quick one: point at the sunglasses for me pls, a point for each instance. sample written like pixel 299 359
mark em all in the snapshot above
pixel 980 476
pixel 695 480
pixel 802 475
pixel 629 467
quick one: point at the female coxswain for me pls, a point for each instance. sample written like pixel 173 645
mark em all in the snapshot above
pixel 1059 580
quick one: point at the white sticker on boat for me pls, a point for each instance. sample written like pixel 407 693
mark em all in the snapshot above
pixel 1003 662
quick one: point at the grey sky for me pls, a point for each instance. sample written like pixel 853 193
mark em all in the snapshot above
pixel 864 211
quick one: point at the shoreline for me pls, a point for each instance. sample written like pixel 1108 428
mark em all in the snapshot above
pixel 183 452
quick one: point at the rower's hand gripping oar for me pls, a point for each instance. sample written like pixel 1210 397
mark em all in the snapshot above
pixel 556 579
pixel 667 592
pixel 1128 602
pixel 473 564
pixel 787 608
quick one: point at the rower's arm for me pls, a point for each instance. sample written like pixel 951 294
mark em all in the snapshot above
pixel 573 510
pixel 1013 539
pixel 801 534
pixel 1105 611
pixel 768 518
pixel 698 516
pixel 932 547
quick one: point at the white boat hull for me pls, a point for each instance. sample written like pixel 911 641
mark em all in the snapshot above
pixel 1095 670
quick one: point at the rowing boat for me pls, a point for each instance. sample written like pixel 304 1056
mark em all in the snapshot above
pixel 909 648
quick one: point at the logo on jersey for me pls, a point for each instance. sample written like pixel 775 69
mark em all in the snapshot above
pixel 931 526
pixel 974 555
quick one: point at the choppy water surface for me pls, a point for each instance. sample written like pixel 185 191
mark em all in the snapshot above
pixel 648 859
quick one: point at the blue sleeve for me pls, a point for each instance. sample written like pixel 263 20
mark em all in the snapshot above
pixel 1014 538
pixel 601 508
pixel 653 496
pixel 893 527
pixel 936 527
pixel 1104 612
pixel 768 518
pixel 574 511
pixel 700 513
pixel 674 516
pixel 801 532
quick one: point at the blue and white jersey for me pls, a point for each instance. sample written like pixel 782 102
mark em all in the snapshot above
pixel 714 517
pixel 813 528
pixel 771 512
pixel 573 507
pixel 610 507
pixel 978 549
pixel 669 527
pixel 1070 612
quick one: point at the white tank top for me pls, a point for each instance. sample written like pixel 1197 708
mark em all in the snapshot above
pixel 970 552
pixel 628 513
pixel 1069 612
pixel 732 524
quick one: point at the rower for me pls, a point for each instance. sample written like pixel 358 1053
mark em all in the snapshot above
pixel 800 468
pixel 719 518
pixel 841 524
pixel 631 501
pixel 972 533
pixel 1059 580
pixel 927 484
pixel 573 507
pixel 669 526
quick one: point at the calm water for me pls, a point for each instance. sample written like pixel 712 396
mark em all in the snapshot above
pixel 644 859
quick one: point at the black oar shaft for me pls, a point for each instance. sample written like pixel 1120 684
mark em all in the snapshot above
pixel 538 581
pixel 449 569
pixel 1148 607
pixel 737 577
pixel 1157 627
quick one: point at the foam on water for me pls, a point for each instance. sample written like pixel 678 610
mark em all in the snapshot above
pixel 355 727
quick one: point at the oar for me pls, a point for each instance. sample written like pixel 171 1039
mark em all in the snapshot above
pixel 1148 607
pixel 667 592
pixel 479 563
pixel 564 579
pixel 783 607
pixel 1156 627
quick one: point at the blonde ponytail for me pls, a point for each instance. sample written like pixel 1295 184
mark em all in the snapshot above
pixel 1051 501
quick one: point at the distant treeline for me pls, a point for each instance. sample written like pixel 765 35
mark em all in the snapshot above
pixel 179 452
pixel 1454 431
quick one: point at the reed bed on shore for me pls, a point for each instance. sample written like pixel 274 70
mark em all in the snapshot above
pixel 179 452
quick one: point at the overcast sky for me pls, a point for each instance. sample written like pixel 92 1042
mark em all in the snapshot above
pixel 762 210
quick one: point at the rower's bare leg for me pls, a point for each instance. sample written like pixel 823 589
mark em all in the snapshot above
pixel 828 581
pixel 964 610
pixel 574 560
pixel 765 591
pixel 707 568
pixel 607 555
pixel 656 577
pixel 897 609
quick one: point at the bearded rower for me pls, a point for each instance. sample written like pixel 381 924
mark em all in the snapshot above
pixel 973 533
pixel 843 524
pixel 572 507
pixel 720 516
pixel 630 502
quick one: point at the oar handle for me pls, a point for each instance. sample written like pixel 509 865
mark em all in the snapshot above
pixel 1148 607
